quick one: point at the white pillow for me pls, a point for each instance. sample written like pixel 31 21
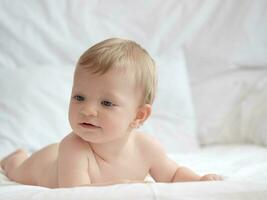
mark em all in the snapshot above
pixel 34 106
pixel 231 107
pixel 173 119
pixel 254 113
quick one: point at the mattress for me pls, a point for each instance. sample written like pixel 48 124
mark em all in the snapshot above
pixel 243 166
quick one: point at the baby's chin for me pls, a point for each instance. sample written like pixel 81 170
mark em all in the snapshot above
pixel 84 136
pixel 93 138
pixel 97 136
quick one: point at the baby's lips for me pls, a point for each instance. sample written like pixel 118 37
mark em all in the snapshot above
pixel 90 124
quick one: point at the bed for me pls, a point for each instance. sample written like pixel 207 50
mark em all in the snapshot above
pixel 210 112
pixel 243 166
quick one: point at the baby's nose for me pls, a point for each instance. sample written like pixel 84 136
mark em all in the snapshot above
pixel 89 110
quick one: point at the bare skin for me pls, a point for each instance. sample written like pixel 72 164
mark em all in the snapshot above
pixel 43 166
pixel 103 147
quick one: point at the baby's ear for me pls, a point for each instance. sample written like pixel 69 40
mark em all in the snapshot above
pixel 142 114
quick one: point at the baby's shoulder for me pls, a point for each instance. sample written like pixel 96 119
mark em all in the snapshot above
pixel 72 142
pixel 147 143
pixel 143 138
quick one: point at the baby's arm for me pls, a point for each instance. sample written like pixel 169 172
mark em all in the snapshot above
pixel 185 174
pixel 73 162
pixel 163 169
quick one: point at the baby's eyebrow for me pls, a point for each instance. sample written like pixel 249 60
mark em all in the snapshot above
pixel 113 95
pixel 77 92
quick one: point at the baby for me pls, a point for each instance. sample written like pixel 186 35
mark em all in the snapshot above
pixel 113 90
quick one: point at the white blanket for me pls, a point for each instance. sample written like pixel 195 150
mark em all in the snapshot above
pixel 243 166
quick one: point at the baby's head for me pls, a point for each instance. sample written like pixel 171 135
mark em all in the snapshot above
pixel 126 56
pixel 113 89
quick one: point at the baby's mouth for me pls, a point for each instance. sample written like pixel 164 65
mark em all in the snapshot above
pixel 88 125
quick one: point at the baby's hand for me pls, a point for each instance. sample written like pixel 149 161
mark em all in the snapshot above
pixel 211 177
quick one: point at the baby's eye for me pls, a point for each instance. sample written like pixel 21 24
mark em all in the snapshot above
pixel 78 98
pixel 107 103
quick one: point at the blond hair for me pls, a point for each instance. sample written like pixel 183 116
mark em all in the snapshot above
pixel 123 54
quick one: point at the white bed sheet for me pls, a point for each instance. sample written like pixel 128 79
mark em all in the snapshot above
pixel 245 168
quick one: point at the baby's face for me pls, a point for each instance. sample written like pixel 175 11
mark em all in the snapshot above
pixel 102 107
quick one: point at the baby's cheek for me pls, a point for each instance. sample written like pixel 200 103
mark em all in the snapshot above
pixel 116 126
